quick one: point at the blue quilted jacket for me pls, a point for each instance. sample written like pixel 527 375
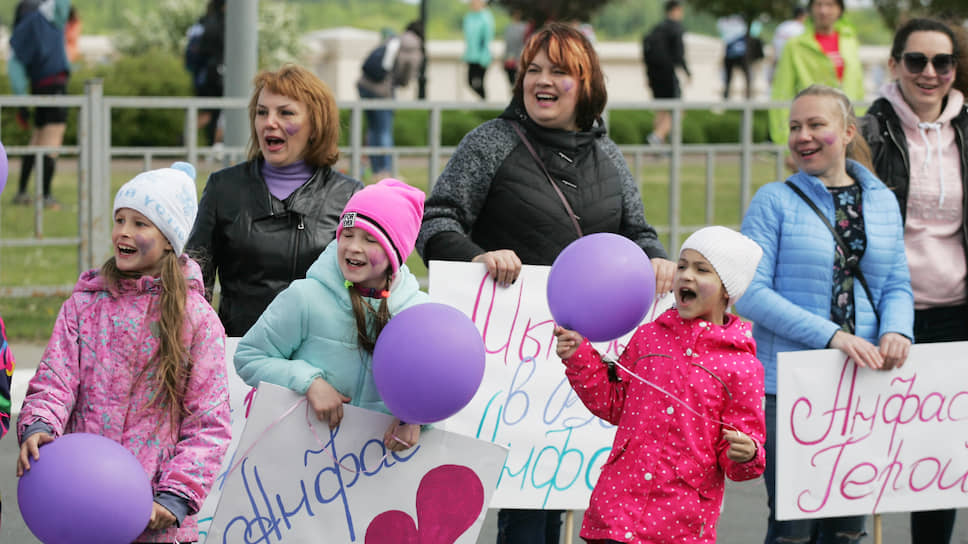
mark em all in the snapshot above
pixel 789 298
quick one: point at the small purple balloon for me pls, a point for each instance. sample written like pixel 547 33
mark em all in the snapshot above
pixel 85 489
pixel 601 286
pixel 4 167
pixel 428 363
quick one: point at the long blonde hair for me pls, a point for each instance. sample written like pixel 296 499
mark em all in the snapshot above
pixel 171 358
pixel 381 316
pixel 857 149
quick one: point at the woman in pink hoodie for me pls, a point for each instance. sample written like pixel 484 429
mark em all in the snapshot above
pixel 137 355
pixel 916 132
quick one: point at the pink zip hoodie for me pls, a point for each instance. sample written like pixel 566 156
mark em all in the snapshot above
pixel 95 375
pixel 932 229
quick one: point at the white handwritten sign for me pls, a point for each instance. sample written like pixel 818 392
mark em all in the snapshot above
pixel 856 441
pixel 525 401
pixel 240 397
pixel 302 484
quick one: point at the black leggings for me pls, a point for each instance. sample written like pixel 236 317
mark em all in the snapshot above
pixel 475 78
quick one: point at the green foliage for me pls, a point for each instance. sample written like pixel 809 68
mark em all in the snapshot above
pixel 163 27
pixel 138 76
pixel 631 127
pixel 540 11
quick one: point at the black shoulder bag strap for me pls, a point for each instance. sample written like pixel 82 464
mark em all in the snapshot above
pixel 852 261
pixel 571 214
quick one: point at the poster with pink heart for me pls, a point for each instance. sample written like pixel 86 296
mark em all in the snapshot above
pixel 295 480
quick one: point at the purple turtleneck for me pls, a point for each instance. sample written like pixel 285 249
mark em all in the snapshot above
pixel 283 180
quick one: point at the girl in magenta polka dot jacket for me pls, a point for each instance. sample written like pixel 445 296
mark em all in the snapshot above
pixel 687 397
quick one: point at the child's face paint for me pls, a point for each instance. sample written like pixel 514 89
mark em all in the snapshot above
pixel 924 91
pixel 138 244
pixel 699 291
pixel 361 258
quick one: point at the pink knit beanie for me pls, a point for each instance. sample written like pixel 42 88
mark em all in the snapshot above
pixel 390 211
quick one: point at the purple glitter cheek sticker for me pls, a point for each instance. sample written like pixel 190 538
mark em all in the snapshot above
pixel 292 128
pixel 947 78
pixel 828 139
pixel 568 85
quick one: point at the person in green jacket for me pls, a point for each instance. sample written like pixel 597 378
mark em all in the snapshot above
pixel 826 52
pixel 478 32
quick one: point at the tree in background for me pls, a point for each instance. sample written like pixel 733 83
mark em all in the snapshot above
pixel 894 12
pixel 164 29
pixel 542 11
pixel 748 9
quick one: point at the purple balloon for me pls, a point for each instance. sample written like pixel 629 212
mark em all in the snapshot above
pixel 601 285
pixel 4 167
pixel 85 489
pixel 428 363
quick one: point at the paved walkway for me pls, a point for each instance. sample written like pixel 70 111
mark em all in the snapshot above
pixel 742 522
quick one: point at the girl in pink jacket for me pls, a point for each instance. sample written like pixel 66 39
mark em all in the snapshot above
pixel 137 355
pixel 687 397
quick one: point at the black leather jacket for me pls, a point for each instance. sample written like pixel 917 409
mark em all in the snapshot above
pixel 258 244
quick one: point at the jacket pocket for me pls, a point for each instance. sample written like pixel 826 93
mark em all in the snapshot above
pixel 703 477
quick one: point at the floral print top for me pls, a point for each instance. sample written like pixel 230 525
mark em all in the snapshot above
pixel 849 224
pixel 6 375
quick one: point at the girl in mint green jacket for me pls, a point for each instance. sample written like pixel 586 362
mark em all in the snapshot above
pixel 317 336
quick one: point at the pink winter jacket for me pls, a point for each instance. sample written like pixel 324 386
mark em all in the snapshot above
pixel 663 480
pixel 94 378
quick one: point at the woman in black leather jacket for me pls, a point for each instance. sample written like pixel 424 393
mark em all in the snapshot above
pixel 262 223
pixel 916 132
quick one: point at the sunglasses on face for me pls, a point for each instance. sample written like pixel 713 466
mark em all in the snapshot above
pixel 915 63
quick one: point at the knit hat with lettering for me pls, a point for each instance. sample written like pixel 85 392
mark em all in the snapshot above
pixel 733 255
pixel 390 211
pixel 167 197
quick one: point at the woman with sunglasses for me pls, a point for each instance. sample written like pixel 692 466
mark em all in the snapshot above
pixel 916 132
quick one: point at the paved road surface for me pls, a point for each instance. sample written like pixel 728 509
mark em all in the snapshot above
pixel 742 522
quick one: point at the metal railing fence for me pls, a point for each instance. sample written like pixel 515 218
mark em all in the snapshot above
pixel 95 152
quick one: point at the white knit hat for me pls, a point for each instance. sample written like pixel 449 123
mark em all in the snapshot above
pixel 733 255
pixel 167 197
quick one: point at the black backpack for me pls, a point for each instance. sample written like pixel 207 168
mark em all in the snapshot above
pixel 373 65
pixel 652 47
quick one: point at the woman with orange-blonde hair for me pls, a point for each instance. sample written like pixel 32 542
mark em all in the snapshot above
pixel 263 222
pixel 521 187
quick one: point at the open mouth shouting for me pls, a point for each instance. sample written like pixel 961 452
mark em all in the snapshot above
pixel 685 295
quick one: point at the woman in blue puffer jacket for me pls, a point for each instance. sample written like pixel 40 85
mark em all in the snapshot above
pixel 804 296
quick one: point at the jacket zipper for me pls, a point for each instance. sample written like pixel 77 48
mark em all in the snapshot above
pixel 295 247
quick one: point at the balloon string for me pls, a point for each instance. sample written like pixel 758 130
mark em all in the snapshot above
pixel 258 439
pixel 312 428
pixel 670 395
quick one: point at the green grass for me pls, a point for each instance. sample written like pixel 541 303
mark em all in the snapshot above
pixel 30 319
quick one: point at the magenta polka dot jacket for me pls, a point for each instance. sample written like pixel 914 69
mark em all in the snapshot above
pixel 664 479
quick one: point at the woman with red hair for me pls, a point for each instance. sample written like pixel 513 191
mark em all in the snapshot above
pixel 521 187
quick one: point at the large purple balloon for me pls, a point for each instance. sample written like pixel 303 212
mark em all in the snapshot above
pixel 428 363
pixel 601 285
pixel 85 489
